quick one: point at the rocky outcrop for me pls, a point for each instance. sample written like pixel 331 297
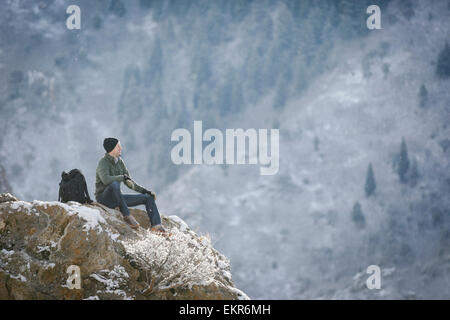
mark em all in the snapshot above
pixel 42 243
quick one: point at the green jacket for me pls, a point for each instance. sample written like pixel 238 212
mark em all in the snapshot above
pixel 109 171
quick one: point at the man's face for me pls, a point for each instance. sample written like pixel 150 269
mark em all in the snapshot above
pixel 117 150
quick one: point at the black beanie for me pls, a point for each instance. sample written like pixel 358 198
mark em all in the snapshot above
pixel 109 144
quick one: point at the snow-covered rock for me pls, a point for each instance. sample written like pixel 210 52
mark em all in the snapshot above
pixel 39 240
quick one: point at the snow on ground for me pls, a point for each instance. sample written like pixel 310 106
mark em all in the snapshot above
pixel 93 217
pixel 183 225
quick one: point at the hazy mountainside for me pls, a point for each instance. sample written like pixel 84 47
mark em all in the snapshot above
pixel 342 96
pixel 138 70
pixel 41 240
pixel 302 224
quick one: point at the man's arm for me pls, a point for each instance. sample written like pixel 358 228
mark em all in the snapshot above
pixel 131 183
pixel 104 176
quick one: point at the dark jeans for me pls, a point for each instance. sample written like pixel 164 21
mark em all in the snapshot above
pixel 113 197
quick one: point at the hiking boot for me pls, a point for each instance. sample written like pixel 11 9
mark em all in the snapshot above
pixel 159 229
pixel 131 221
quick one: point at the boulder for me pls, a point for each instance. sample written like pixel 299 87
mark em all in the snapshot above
pixel 43 242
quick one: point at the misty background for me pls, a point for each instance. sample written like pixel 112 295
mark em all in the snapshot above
pixel 363 116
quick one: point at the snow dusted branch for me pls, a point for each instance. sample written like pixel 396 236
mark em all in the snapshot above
pixel 180 260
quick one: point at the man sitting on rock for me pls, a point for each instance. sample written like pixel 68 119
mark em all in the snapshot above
pixel 111 171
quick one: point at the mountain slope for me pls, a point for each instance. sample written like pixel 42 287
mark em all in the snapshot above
pixel 298 224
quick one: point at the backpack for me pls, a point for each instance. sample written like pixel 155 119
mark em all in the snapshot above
pixel 73 187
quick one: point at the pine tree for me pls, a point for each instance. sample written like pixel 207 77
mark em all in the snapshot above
pixel 423 96
pixel 316 143
pixel 370 181
pixel 403 164
pixel 443 64
pixel 413 173
pixel 358 216
pixel 118 8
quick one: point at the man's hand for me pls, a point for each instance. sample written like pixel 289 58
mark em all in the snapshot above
pixel 150 193
pixel 128 181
